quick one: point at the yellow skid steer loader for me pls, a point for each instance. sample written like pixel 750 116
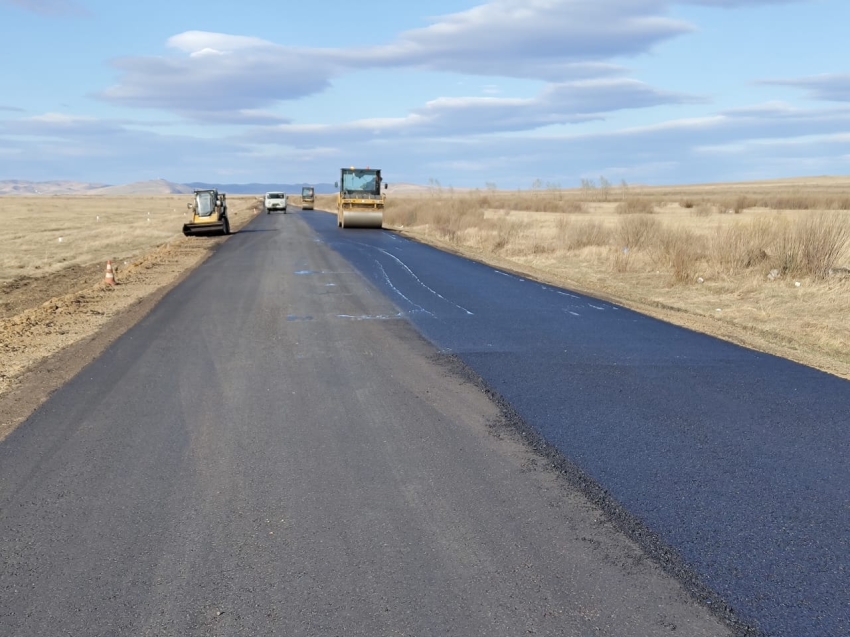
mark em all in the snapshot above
pixel 209 214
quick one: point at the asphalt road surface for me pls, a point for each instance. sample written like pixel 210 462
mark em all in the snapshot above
pixel 738 460
pixel 275 450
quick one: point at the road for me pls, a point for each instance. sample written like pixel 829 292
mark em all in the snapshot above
pixel 275 450
pixel 734 459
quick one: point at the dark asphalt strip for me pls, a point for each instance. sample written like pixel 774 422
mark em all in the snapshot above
pixel 735 458
pixel 655 547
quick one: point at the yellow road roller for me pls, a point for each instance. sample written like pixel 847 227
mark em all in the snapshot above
pixel 360 202
pixel 209 214
pixel 308 198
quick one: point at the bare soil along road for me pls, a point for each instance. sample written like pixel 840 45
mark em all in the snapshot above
pixel 274 450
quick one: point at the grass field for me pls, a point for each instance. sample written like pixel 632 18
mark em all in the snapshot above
pixel 46 234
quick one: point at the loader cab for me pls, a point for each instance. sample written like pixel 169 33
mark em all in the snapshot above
pixel 209 214
pixel 205 202
pixel 360 182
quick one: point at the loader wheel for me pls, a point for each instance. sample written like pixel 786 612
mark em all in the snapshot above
pixel 226 226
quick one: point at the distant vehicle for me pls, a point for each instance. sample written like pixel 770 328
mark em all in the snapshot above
pixel 308 198
pixel 209 214
pixel 360 202
pixel 275 201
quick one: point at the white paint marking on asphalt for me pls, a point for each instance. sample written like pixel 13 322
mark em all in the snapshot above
pixel 366 317
pixel 572 296
pixel 418 280
pixel 397 291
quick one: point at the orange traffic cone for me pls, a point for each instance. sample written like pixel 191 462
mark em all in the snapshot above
pixel 110 275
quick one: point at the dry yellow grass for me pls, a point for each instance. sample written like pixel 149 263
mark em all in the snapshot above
pixel 44 234
pixel 772 279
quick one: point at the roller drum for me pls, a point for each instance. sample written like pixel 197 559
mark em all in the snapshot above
pixel 362 218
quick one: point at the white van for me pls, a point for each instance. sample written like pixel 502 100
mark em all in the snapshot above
pixel 275 201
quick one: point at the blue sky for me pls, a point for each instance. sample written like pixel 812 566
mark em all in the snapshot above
pixel 464 92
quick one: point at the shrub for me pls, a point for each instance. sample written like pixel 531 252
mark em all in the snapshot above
pixel 744 245
pixel 622 261
pixel 587 233
pixel 635 207
pixel 635 231
pixel 681 250
pixel 820 240
pixel 702 210
pixel 574 207
pixel 742 202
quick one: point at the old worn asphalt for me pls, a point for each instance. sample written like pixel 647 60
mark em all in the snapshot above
pixel 275 450
pixel 738 461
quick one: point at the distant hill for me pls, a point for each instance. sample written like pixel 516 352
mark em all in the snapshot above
pixel 21 187
pixel 152 187
pixel 259 189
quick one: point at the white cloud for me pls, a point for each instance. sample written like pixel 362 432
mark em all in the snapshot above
pixel 674 151
pixel 831 87
pixel 569 102
pixel 763 140
pixel 552 40
pixel 222 77
pixel 542 39
pixel 217 76
pixel 57 144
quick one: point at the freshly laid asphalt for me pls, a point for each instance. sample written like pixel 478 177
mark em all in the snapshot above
pixel 737 460
pixel 275 450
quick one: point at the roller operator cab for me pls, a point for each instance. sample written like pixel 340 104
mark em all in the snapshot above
pixel 275 201
pixel 308 198
pixel 360 201
pixel 209 214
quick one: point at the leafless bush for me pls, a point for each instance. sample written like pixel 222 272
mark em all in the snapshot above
pixel 562 229
pixel 635 231
pixel 574 207
pixel 681 250
pixel 739 204
pixel 635 207
pixel 817 242
pixel 506 235
pixel 703 210
pixel 744 245
pixel 622 261
pixel 587 233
